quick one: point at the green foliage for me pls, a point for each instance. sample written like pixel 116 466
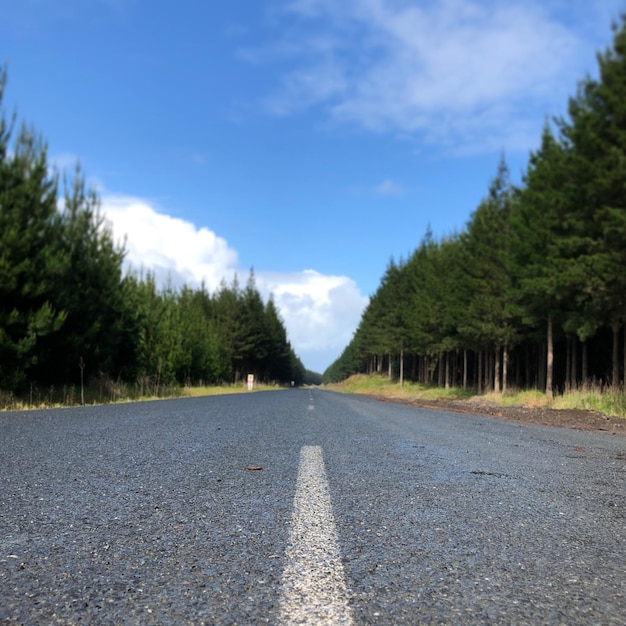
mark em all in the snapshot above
pixel 190 337
pixel 31 260
pixel 349 362
pixel 539 261
pixel 88 288
pixel 312 378
pixel 487 320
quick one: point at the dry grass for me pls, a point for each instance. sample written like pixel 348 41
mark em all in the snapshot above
pixel 197 392
pixel 378 385
pixel 111 392
pixel 594 397
pixel 590 397
pixel 531 398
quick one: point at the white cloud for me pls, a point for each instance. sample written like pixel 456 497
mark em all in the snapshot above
pixel 307 87
pixel 320 312
pixel 168 246
pixel 389 188
pixel 467 75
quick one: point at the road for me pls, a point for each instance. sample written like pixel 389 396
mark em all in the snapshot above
pixel 362 513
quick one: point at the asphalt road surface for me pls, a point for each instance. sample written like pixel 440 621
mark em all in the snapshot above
pixel 362 513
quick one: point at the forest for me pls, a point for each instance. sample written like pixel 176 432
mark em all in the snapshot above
pixel 532 292
pixel 70 314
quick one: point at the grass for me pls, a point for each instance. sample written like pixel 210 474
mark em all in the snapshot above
pixel 196 392
pixel 378 385
pixel 590 397
pixel 531 398
pixel 110 392
pixel 607 401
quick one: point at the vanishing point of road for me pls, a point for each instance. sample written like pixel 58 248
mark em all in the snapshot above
pixel 304 506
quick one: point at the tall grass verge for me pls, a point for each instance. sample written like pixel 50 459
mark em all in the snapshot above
pixel 378 385
pixel 196 392
pixel 103 390
pixel 595 397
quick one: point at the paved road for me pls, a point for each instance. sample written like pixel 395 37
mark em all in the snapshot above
pixel 363 513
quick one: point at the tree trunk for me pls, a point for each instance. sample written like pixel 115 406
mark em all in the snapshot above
pixel 568 363
pixel 549 359
pixel 505 367
pixel 389 367
pixel 447 357
pixel 496 370
pixel 574 371
pixel 585 371
pixel 479 374
pixel 464 375
pixel 440 370
pixel 615 326
pixel 401 367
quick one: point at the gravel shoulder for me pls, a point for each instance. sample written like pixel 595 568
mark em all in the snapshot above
pixel 580 419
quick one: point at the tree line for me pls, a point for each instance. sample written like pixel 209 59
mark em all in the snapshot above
pixel 68 310
pixel 532 293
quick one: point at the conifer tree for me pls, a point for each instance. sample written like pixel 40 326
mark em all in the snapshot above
pixel 89 290
pixel 539 226
pixel 278 363
pixel 30 258
pixel 489 318
pixel 596 131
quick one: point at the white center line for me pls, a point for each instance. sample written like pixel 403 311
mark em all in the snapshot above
pixel 313 588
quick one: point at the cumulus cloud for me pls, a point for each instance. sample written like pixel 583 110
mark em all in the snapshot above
pixel 467 75
pixel 173 249
pixel 320 312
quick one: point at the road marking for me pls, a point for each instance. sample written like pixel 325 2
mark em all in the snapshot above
pixel 311 407
pixel 313 587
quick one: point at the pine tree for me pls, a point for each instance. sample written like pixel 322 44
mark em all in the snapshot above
pixel 539 226
pixel 596 132
pixel 490 319
pixel 89 290
pixel 30 258
pixel 278 362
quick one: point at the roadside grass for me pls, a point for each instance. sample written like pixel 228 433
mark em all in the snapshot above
pixel 531 398
pixel 593 397
pixel 196 392
pixel 379 385
pixel 608 401
pixel 112 392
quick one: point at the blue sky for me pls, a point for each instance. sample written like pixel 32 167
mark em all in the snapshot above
pixel 309 139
